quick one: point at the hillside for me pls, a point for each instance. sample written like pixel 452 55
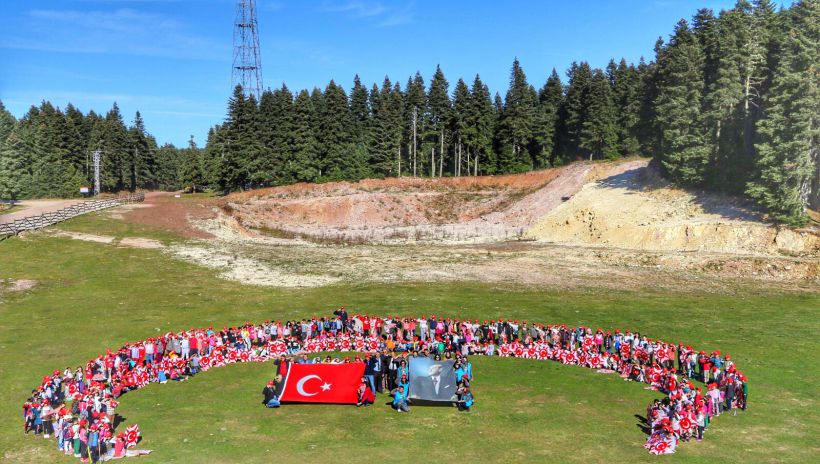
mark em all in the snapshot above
pixel 638 209
pixel 619 204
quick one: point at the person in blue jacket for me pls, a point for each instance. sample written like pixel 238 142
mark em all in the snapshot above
pixel 465 399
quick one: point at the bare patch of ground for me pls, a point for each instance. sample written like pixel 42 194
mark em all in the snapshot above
pixel 26 208
pixel 234 265
pixel 530 264
pixel 128 242
pixel 107 239
pixel 466 209
pixel 16 285
pixel 639 210
pixel 588 225
pixel 163 211
pixel 137 242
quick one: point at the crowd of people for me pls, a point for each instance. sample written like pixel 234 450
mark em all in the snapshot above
pixel 384 371
pixel 68 405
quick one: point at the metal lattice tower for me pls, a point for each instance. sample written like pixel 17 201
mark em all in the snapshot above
pixel 96 158
pixel 247 65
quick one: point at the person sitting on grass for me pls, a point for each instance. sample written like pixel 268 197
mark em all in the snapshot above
pixel 465 399
pixel 364 395
pixel 399 395
pixel 269 392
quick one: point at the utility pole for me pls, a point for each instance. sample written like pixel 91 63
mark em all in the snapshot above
pixel 414 141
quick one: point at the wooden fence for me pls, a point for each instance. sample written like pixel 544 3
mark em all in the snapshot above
pixel 47 219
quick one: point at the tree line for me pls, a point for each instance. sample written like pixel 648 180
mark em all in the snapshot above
pixel 729 103
pixel 48 153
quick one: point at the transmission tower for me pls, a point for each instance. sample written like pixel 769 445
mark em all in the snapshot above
pixel 247 66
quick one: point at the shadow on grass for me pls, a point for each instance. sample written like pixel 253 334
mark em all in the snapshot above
pixel 643 424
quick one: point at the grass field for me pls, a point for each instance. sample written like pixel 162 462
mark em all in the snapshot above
pixel 90 297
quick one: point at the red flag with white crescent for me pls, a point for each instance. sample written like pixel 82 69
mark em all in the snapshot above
pixel 323 383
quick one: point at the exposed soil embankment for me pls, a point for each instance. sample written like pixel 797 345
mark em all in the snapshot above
pixel 639 210
pixel 407 209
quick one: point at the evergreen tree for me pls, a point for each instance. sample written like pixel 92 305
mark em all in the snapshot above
pixel 167 173
pixel 480 125
pixel 7 122
pixel 190 171
pixel 142 167
pixel 241 143
pixel 15 174
pixel 304 166
pixel 114 147
pixel 414 107
pixel 550 99
pixel 684 150
pixel 518 122
pixel 359 113
pixel 341 158
pixel 626 96
pixel 436 118
pixel 386 106
pixel 599 130
pixel 574 111
pixel 462 101
pixel 789 131
pixel 276 125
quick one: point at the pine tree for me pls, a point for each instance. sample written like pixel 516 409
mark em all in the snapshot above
pixel 684 149
pixel 305 163
pixel 436 117
pixel 359 113
pixel 276 122
pixel 789 132
pixel 599 130
pixel 574 111
pixel 386 139
pixel 190 171
pixel 7 122
pixel 518 122
pixel 550 99
pixel 142 166
pixel 462 101
pixel 167 173
pixel 341 158
pixel 414 107
pixel 241 143
pixel 75 140
pixel 114 145
pixel 626 88
pixel 15 174
pixel 480 125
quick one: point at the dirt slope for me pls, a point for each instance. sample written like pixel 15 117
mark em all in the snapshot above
pixel 460 209
pixel 638 210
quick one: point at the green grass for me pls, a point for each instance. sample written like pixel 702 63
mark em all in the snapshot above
pixel 101 223
pixel 91 297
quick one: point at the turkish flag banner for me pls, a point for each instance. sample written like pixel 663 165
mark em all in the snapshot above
pixel 322 383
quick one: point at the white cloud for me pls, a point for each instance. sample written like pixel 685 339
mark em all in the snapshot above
pixel 121 31
pixel 383 16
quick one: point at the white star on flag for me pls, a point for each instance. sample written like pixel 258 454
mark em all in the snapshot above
pixel 326 386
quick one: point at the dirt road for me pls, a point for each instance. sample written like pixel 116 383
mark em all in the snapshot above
pixel 35 208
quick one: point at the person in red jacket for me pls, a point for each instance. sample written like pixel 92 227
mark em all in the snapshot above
pixel 366 397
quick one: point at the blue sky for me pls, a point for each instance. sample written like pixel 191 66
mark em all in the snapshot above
pixel 171 59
